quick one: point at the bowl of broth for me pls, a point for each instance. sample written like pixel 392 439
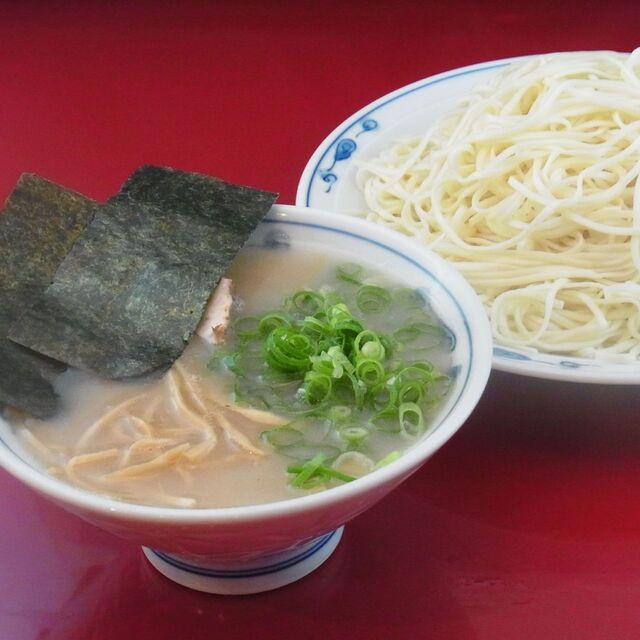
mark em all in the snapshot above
pixel 337 357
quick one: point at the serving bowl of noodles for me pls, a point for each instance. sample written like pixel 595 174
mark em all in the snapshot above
pixel 523 173
pixel 174 465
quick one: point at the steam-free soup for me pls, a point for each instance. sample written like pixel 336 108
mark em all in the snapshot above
pixel 326 371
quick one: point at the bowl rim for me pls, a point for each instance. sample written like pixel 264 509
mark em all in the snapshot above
pixel 479 334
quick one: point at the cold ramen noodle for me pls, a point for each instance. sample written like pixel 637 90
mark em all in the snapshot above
pixel 530 188
pixel 303 374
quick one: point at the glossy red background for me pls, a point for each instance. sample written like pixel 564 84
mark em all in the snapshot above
pixel 525 526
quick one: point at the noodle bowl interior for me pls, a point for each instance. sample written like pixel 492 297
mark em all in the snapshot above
pixel 192 439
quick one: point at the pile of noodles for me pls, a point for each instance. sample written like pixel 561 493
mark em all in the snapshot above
pixel 531 188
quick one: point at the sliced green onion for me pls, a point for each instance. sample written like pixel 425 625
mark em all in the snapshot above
pixel 411 419
pixel 313 359
pixel 371 372
pixel 385 421
pixel 354 436
pixel 321 473
pixel 339 413
pixel 307 302
pixel 354 462
pixel 282 436
pixel 331 298
pixel 308 469
pixel 304 451
pixel 411 391
pixel 373 351
pixel 388 459
pixel 349 272
pixel 315 328
pixel 388 343
pixel 416 371
pixel 340 361
pixel 350 327
pixel 316 387
pixel 372 299
pixel 359 389
pixel 247 327
pixel 413 331
pixel 324 364
pixel 338 312
pixel 288 350
pixel 437 390
pixel 334 473
pixel 384 397
pixel 363 338
pixel 232 363
pixel 272 321
pixel 407 298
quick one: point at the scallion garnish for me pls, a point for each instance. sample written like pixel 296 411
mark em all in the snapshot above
pixel 339 378
pixel 286 349
pixel 316 387
pixel 354 436
pixel 283 436
pixel 307 302
pixel 307 470
pixel 390 457
pixel 411 418
pixel 349 272
pixel 313 473
pixel 414 330
pixel 372 299
pixel 271 321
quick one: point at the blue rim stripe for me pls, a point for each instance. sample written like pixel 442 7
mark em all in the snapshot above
pixel 429 82
pixel 18 455
pixel 245 573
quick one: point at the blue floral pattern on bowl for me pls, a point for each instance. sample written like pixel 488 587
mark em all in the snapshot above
pixel 501 352
pixel 345 147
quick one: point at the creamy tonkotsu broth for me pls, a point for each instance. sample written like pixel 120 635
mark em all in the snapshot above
pixel 192 438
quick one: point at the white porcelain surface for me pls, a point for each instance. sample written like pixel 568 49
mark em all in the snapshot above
pixel 271 572
pixel 233 537
pixel 328 182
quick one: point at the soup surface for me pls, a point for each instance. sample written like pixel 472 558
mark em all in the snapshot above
pixel 210 435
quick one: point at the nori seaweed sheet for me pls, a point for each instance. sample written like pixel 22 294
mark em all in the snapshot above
pixel 40 223
pixel 134 286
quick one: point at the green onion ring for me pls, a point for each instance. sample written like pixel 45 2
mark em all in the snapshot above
pixel 411 419
pixel 317 387
pixel 349 272
pixel 372 299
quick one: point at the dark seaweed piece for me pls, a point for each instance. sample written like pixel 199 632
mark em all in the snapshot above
pixel 134 287
pixel 38 227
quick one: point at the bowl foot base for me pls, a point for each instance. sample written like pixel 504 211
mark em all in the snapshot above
pixel 280 569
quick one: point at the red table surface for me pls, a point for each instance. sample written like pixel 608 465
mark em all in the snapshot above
pixel 526 525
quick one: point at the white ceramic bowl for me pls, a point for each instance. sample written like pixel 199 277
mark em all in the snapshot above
pixel 255 548
pixel 328 182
